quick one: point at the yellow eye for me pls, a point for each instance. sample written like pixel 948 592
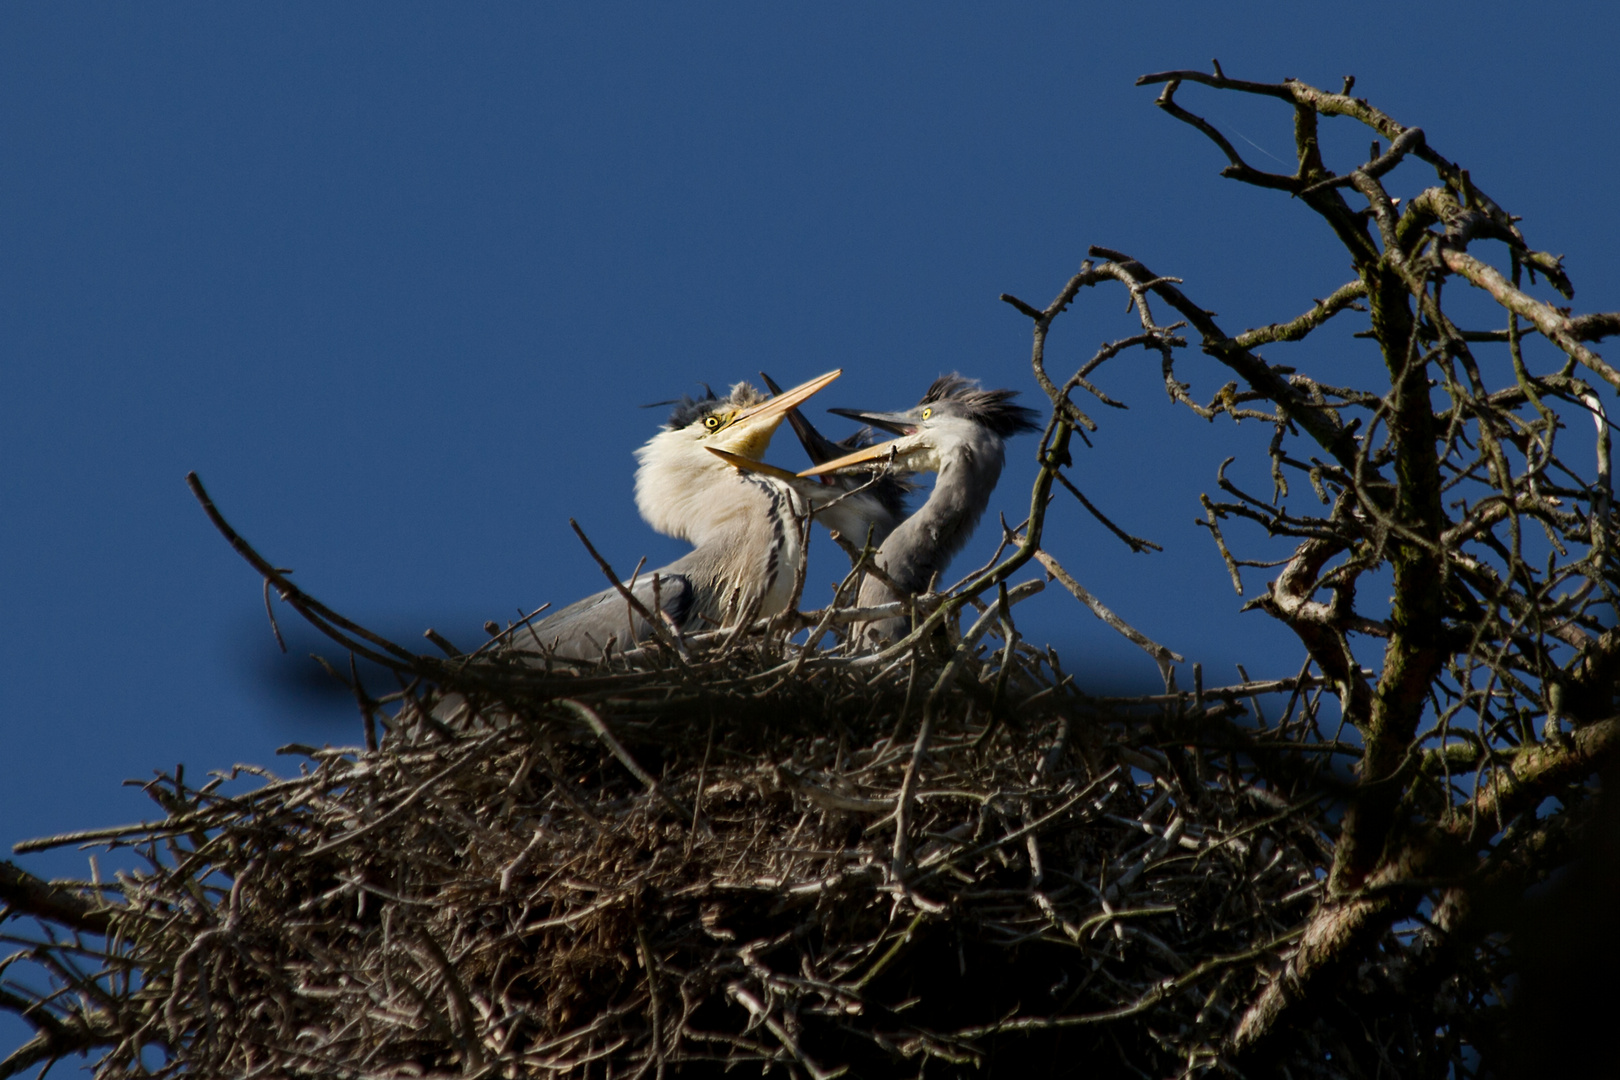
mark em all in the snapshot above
pixel 928 412
pixel 712 423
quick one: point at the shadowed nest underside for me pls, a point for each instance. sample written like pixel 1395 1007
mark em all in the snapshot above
pixel 696 867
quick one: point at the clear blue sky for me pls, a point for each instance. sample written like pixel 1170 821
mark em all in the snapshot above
pixel 394 279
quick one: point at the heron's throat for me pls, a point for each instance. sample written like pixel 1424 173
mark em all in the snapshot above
pixel 750 443
pixel 686 492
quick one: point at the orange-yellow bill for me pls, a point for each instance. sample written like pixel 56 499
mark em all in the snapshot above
pixel 883 451
pixel 750 465
pixel 781 403
pixel 749 431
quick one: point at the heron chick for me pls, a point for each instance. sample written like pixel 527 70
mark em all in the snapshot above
pixel 957 431
pixel 744 528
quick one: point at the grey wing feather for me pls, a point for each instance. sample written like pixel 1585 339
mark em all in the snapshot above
pixel 582 630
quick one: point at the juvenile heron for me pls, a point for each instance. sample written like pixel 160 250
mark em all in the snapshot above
pixel 957 431
pixel 744 528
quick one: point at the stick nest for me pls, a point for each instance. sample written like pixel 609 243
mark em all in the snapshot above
pixel 690 864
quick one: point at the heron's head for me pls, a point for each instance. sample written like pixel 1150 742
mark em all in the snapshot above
pixel 674 484
pixel 953 414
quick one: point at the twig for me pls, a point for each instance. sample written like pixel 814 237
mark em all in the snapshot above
pixel 597 725
pixel 1161 655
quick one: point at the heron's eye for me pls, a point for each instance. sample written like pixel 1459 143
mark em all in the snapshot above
pixel 928 412
pixel 711 423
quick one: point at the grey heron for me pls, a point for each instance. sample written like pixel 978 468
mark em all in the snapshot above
pixel 744 528
pixel 957 431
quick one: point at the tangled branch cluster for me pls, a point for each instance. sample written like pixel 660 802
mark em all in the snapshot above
pixel 758 848
pixel 701 878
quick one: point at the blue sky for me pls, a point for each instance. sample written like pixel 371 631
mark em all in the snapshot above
pixel 395 279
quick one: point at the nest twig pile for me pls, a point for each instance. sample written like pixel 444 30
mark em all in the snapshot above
pixel 655 869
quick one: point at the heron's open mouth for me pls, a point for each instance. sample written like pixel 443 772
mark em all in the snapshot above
pixel 749 433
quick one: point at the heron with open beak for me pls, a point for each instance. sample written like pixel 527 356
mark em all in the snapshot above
pixel 957 431
pixel 744 527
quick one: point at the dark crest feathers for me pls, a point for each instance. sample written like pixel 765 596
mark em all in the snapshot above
pixel 992 408
pixel 688 409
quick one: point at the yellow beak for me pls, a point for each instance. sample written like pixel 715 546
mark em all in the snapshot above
pixel 750 465
pixel 749 433
pixel 893 450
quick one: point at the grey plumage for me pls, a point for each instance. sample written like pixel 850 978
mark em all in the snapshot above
pixel 744 528
pixel 958 431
